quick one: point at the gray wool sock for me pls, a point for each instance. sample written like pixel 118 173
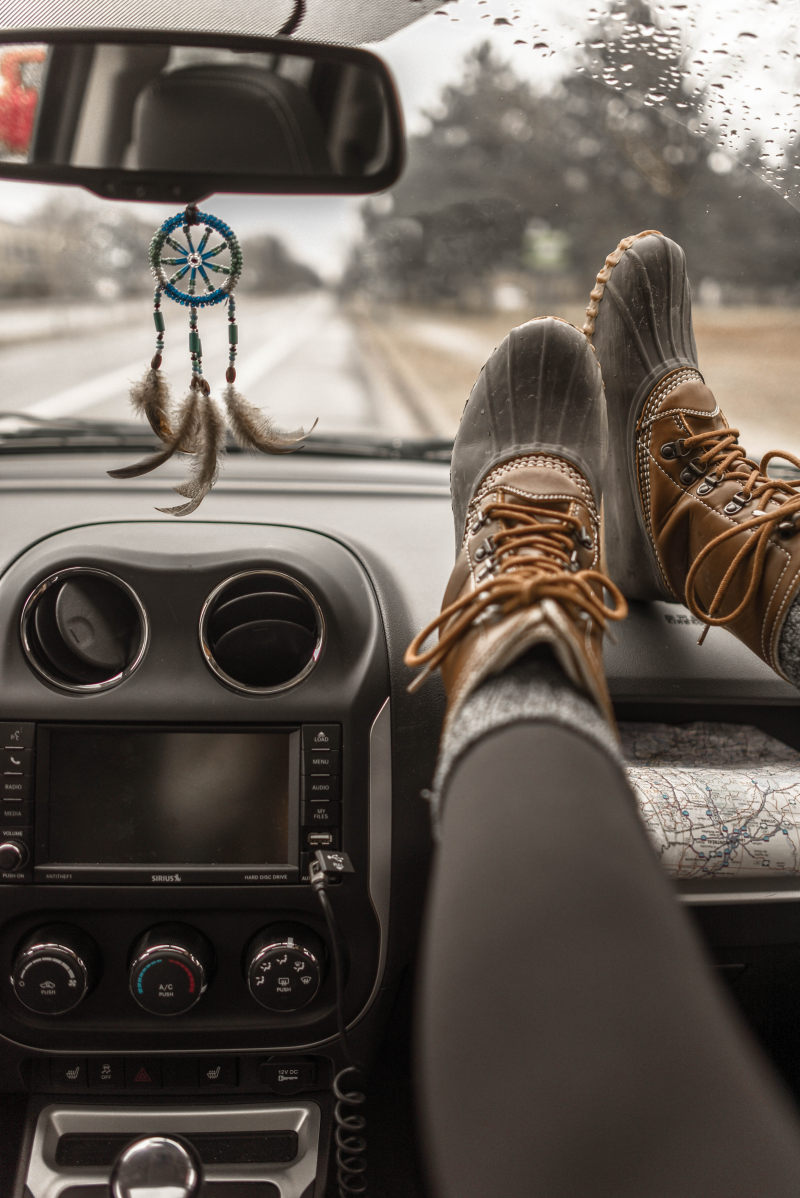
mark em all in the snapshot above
pixel 789 644
pixel 533 688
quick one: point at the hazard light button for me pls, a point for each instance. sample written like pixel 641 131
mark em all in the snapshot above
pixel 142 1073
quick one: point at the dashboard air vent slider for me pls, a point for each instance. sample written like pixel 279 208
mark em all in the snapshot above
pixel 83 629
pixel 261 631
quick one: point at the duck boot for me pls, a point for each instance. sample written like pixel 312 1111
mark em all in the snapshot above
pixel 525 480
pixel 688 516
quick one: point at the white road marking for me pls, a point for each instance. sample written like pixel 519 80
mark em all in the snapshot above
pixel 293 329
pixel 85 395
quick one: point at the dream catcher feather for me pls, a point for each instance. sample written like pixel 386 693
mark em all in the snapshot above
pixel 196 260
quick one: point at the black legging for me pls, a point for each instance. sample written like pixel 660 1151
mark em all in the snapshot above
pixel 572 1040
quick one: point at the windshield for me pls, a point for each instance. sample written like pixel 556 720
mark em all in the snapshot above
pixel 534 146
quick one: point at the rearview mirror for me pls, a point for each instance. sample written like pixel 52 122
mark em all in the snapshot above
pixel 175 117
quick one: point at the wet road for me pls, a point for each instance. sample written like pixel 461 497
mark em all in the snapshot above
pixel 301 358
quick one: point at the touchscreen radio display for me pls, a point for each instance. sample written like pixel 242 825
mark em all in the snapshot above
pixel 127 797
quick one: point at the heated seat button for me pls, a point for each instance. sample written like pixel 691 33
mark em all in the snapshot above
pixel 68 1073
pixel 218 1071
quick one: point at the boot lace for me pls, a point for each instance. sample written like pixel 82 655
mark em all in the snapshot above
pixel 720 457
pixel 533 557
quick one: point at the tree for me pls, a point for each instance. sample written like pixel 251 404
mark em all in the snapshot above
pixel 622 143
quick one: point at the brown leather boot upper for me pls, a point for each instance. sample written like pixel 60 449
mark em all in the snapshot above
pixel 527 574
pixel 723 532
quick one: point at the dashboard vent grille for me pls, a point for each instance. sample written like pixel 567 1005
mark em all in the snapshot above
pixel 261 631
pixel 83 629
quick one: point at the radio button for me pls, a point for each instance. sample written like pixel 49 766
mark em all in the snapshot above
pixel 16 735
pixel 322 815
pixel 322 736
pixel 321 787
pixel 14 789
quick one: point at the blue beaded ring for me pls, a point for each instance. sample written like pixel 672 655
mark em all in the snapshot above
pixel 220 257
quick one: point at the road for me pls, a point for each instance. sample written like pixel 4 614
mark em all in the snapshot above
pixel 301 358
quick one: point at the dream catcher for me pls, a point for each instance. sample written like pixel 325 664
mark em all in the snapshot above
pixel 196 260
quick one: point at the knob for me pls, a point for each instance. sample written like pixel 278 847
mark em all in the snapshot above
pixel 54 969
pixel 284 967
pixel 170 969
pixel 156 1165
pixel 13 855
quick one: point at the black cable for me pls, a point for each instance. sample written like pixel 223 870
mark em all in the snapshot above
pixel 350 1124
pixel 293 24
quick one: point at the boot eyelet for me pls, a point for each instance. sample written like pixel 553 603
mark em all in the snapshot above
pixel 584 538
pixel 485 571
pixel 673 449
pixel 485 549
pixel 478 525
pixel 736 504
pixel 692 471
pixel 708 484
pixel 788 527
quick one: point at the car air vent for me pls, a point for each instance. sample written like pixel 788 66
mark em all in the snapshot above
pixel 83 629
pixel 261 631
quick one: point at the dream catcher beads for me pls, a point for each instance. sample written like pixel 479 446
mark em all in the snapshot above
pixel 196 261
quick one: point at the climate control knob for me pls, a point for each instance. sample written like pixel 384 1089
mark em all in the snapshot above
pixel 284 967
pixel 54 969
pixel 170 969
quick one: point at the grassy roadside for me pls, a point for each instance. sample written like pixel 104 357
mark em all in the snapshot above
pixel 750 357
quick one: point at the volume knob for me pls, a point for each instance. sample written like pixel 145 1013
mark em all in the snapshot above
pixel 13 856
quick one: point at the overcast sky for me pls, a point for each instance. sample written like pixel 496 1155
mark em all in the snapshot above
pixel 745 53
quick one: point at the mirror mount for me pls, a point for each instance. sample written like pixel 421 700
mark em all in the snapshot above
pixel 174 117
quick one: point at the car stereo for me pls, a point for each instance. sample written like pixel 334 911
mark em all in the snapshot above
pixel 167 804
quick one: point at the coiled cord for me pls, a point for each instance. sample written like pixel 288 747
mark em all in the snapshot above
pixel 350 1124
pixel 351 1144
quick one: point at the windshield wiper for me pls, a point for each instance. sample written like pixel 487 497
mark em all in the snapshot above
pixel 410 449
pixel 21 432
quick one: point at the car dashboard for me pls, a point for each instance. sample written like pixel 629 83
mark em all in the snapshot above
pixel 161 809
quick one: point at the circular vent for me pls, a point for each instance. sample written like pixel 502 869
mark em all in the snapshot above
pixel 261 631
pixel 84 629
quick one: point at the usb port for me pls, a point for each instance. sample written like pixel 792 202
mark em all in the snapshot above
pixel 319 840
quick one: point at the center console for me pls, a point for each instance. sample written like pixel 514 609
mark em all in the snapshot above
pixel 179 731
